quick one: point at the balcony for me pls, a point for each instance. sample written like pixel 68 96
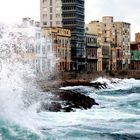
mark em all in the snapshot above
pixel 106 56
pixel 92 57
pixel 93 45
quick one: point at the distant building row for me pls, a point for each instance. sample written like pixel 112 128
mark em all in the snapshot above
pixel 98 46
pixel 106 47
pixel 115 51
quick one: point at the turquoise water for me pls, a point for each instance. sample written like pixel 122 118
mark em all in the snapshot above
pixel 116 118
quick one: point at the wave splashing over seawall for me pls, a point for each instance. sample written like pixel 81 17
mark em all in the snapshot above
pixel 18 98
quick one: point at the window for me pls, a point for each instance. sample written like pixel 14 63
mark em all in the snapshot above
pixel 38 49
pixel 57 22
pixel 43 49
pixel 50 16
pixel 87 29
pixel 48 48
pixel 44 9
pixel 57 1
pixel 44 23
pixel 57 15
pixel 50 2
pixel 50 9
pixel 44 15
pixel 43 65
pixel 51 23
pixel 38 65
pixel 44 1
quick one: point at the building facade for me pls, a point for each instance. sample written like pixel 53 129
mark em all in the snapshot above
pixel 123 44
pixel 135 53
pixel 113 59
pixel 34 46
pixel 68 14
pixel 95 27
pixel 137 37
pixel 91 53
pixel 135 56
pixel 100 58
pixel 114 39
pixel 60 46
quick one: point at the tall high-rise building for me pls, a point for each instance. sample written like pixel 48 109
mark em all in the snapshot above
pixel 68 14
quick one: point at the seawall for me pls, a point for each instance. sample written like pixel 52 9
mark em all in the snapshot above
pixel 92 76
pixel 82 78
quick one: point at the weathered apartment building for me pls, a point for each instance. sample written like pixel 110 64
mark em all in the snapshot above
pixel 94 27
pixel 61 49
pixel 68 14
pixel 135 53
pixel 123 45
pixel 114 40
pixel 33 48
pixel 91 52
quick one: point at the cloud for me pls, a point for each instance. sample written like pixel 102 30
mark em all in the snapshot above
pixel 15 10
pixel 92 10
pixel 131 11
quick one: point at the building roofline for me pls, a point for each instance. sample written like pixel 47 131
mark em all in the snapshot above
pixel 122 22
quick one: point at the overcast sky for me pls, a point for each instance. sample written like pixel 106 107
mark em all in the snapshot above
pixel 121 10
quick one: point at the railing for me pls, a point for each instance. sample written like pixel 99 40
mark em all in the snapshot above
pixel 92 57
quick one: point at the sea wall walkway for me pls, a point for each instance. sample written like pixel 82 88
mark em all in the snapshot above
pixel 92 76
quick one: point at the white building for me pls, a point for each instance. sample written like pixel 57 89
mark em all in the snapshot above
pixel 38 51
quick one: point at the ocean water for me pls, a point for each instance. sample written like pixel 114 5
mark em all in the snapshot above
pixel 116 118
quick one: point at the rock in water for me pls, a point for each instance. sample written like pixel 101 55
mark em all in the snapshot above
pixel 97 85
pixel 67 101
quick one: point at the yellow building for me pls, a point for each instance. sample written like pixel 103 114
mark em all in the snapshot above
pixel 94 27
pixel 60 46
